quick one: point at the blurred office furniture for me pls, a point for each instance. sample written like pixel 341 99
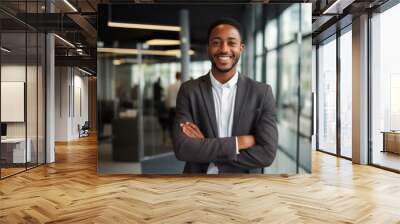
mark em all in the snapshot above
pixel 106 115
pixel 3 130
pixel 13 151
pixel 125 139
pixel 84 130
pixel 391 141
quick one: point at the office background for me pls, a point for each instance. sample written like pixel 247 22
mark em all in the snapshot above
pixel 278 52
pixel 356 39
pixel 22 77
pixel 337 86
pixel 334 42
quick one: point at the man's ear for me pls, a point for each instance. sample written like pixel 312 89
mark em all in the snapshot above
pixel 242 47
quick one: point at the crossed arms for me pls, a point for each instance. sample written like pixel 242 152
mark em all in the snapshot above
pixel 255 151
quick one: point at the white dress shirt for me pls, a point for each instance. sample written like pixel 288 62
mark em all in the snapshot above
pixel 224 103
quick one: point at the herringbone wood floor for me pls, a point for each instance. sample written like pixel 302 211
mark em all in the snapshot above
pixel 70 191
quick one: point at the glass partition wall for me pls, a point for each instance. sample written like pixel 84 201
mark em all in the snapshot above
pixel 22 91
pixel 334 94
pixel 287 69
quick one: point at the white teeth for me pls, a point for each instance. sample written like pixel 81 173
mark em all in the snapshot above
pixel 223 57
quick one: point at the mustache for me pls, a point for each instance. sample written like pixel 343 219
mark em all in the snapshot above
pixel 226 55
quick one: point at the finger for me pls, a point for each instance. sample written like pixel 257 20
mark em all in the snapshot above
pixel 185 131
pixel 193 130
pixel 197 129
pixel 188 132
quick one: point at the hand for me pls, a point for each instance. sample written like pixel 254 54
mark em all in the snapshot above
pixel 246 141
pixel 191 130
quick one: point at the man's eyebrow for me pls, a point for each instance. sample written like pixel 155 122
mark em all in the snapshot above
pixel 229 38
pixel 213 38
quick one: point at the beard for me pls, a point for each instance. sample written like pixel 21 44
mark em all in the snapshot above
pixel 223 70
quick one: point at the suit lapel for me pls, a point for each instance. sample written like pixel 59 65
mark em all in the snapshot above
pixel 206 92
pixel 240 99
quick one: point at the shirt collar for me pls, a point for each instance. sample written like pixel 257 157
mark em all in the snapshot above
pixel 232 82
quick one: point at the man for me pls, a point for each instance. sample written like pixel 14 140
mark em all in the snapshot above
pixel 225 122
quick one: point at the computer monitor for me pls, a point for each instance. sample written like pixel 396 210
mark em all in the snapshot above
pixel 3 129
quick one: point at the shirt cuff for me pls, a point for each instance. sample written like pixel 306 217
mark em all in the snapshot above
pixel 237 145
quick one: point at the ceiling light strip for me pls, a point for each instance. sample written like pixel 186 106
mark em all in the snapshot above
pixel 162 42
pixel 326 11
pixel 143 26
pixel 84 71
pixel 175 52
pixel 64 40
pixel 5 50
pixel 70 5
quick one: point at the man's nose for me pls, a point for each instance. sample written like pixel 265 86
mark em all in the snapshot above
pixel 224 47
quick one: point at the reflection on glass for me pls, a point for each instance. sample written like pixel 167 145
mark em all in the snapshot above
pixel 259 68
pixel 271 34
pixel 272 70
pixel 289 28
pixel 259 43
pixel 283 62
pixel 345 94
pixel 327 96
pixel 306 25
pixel 288 104
pixel 305 105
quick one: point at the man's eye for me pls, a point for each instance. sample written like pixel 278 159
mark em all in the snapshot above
pixel 215 43
pixel 232 43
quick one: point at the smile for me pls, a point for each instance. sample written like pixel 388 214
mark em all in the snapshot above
pixel 223 58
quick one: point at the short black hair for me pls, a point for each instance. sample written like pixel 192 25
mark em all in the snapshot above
pixel 228 21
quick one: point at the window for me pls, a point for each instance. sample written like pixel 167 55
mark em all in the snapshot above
pixel 346 94
pixel 385 88
pixel 327 96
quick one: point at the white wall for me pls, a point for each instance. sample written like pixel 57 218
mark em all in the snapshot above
pixel 12 73
pixel 71 93
pixel 33 126
pixel 62 81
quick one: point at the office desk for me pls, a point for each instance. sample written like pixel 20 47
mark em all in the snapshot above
pixel 391 141
pixel 13 150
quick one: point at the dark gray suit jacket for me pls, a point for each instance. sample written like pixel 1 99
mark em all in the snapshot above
pixel 254 114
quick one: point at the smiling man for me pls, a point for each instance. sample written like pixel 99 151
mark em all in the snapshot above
pixel 225 122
